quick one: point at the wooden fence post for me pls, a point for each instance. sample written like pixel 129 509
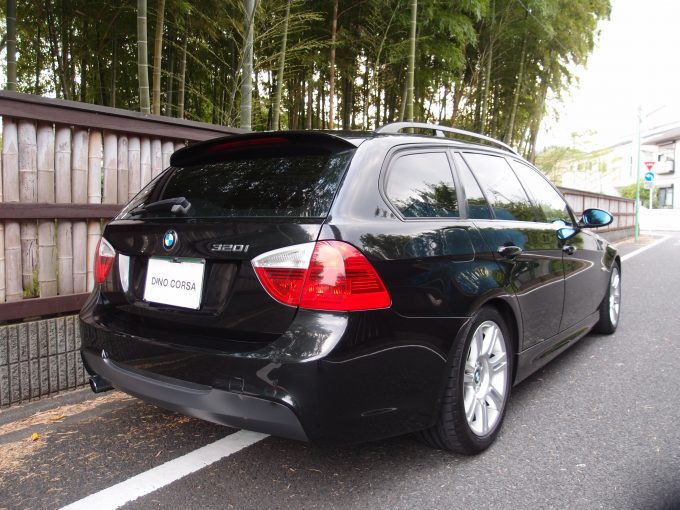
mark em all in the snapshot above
pixel 28 177
pixel 47 255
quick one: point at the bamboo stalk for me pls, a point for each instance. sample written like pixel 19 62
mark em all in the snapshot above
pixel 28 177
pixel 10 187
pixel 81 141
pixel 62 165
pixel 2 260
pixel 29 258
pixel 94 196
pixel 110 168
pixel 167 149
pixel 79 170
pixel 62 177
pixel 10 160
pixel 28 169
pixel 64 257
pixel 94 168
pixel 145 162
pixel 79 256
pixel 45 162
pixel 134 168
pixel 2 249
pixel 156 157
pixel 47 256
pixel 13 287
pixel 123 170
pixel 93 235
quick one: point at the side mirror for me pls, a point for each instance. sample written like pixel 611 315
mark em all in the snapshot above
pixel 566 233
pixel 595 218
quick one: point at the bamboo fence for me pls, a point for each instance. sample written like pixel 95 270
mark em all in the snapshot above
pixel 66 169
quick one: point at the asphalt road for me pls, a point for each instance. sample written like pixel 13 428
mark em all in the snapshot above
pixel 599 427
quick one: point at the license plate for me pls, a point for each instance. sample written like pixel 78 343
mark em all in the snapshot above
pixel 177 282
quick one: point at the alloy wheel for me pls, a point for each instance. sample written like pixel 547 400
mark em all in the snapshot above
pixel 614 296
pixel 485 380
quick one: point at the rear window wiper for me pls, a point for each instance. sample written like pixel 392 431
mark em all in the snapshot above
pixel 177 205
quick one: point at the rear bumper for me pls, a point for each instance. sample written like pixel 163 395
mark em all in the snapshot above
pixel 205 402
pixel 330 378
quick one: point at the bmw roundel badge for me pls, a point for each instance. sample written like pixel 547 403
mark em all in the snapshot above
pixel 169 240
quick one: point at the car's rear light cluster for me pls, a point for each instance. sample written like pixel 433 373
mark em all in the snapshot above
pixel 103 260
pixel 326 275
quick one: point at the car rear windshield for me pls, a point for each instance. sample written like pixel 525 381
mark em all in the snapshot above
pixel 269 184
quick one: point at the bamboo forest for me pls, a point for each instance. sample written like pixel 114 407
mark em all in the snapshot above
pixel 483 65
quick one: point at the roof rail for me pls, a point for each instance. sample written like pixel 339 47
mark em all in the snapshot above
pixel 398 127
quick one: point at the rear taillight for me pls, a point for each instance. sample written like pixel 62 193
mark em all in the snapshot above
pixel 327 275
pixel 103 260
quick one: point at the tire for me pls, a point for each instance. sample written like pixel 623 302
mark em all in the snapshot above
pixel 610 308
pixel 478 383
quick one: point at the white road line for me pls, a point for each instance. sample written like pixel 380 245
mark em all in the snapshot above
pixel 644 248
pixel 160 476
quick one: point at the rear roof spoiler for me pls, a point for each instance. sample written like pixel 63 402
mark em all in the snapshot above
pixel 258 142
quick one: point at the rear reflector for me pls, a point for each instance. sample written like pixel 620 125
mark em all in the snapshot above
pixel 103 260
pixel 327 275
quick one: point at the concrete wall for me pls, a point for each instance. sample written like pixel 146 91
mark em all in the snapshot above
pixel 39 358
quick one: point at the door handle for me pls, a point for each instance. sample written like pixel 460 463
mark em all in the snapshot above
pixel 510 251
pixel 568 249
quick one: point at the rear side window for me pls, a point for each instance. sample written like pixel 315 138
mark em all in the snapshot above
pixel 256 185
pixel 477 206
pixel 504 192
pixel 420 185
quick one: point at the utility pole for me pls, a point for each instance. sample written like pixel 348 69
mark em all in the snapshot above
pixel 637 176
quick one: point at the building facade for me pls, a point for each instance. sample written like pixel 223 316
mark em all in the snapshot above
pixel 609 169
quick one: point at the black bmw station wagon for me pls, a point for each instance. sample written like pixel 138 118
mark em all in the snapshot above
pixel 342 287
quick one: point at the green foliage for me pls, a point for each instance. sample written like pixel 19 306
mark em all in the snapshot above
pixel 629 191
pixel 482 64
pixel 550 159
